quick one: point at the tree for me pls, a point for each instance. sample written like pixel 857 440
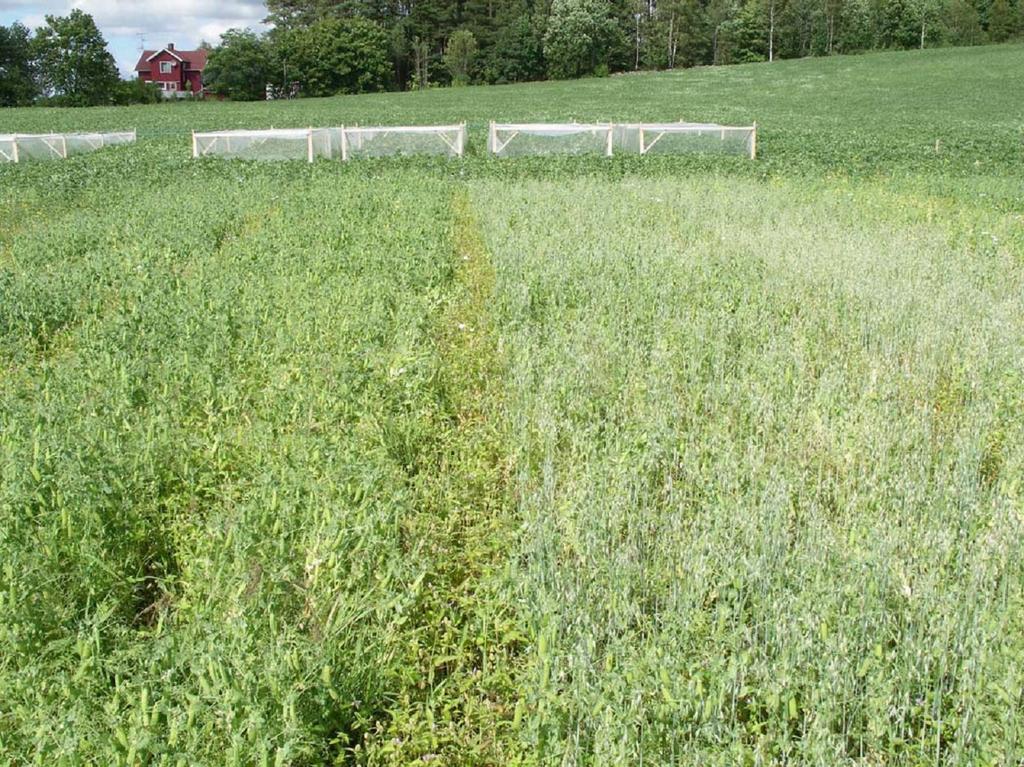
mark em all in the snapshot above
pixel 432 21
pixel 399 49
pixel 518 53
pixel 753 30
pixel 580 37
pixel 897 24
pixel 773 8
pixel 459 56
pixel 964 23
pixel 1001 23
pixel 421 63
pixel 855 31
pixel 286 15
pixel 800 29
pixel 241 66
pixel 928 13
pixel 18 86
pixel 679 36
pixel 74 63
pixel 483 19
pixel 335 56
pixel 720 14
pixel 833 11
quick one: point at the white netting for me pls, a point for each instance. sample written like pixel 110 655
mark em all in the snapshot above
pixel 446 140
pixel 19 147
pixel 331 143
pixel 275 144
pixel 685 138
pixel 516 140
pixel 89 142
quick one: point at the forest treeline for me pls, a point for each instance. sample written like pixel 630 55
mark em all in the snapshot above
pixel 322 47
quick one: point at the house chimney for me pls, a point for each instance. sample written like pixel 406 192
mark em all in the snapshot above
pixel 170 46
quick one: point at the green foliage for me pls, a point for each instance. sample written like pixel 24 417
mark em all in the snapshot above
pixel 677 36
pixel 335 56
pixel 1002 23
pixel 74 65
pixel 751 470
pixel 521 40
pixel 18 85
pixel 581 461
pixel 241 66
pixel 963 23
pixel 136 91
pixel 253 519
pixel 518 53
pixel 580 36
pixel 459 56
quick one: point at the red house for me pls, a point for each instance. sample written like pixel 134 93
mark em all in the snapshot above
pixel 177 73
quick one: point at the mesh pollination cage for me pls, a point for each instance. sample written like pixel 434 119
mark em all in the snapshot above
pixel 523 139
pixel 272 144
pixel 444 140
pixel 685 138
pixel 340 143
pixel 18 147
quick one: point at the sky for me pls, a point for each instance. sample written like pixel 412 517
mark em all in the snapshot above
pixel 128 24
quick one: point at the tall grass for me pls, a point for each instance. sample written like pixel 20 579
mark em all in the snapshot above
pixel 768 451
pixel 218 467
pixel 674 461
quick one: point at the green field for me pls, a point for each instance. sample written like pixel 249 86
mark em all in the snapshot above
pixel 578 461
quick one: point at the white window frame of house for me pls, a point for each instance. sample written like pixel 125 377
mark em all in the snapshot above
pixel 166 67
pixel 172 86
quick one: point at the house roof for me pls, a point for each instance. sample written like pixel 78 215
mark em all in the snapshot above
pixel 196 60
pixel 165 50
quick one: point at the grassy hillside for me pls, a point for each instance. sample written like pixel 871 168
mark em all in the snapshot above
pixel 879 111
pixel 674 461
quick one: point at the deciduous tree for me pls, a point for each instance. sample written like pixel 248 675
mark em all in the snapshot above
pixel 581 36
pixel 338 56
pixel 73 61
pixel 963 23
pixel 459 56
pixel 18 86
pixel 241 66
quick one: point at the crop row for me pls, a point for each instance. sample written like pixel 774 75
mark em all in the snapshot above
pixel 767 450
pixel 222 519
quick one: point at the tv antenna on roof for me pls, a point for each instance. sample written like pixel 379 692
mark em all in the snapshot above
pixel 142 40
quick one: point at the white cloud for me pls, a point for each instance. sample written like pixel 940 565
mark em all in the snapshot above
pixel 183 22
pixel 118 17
